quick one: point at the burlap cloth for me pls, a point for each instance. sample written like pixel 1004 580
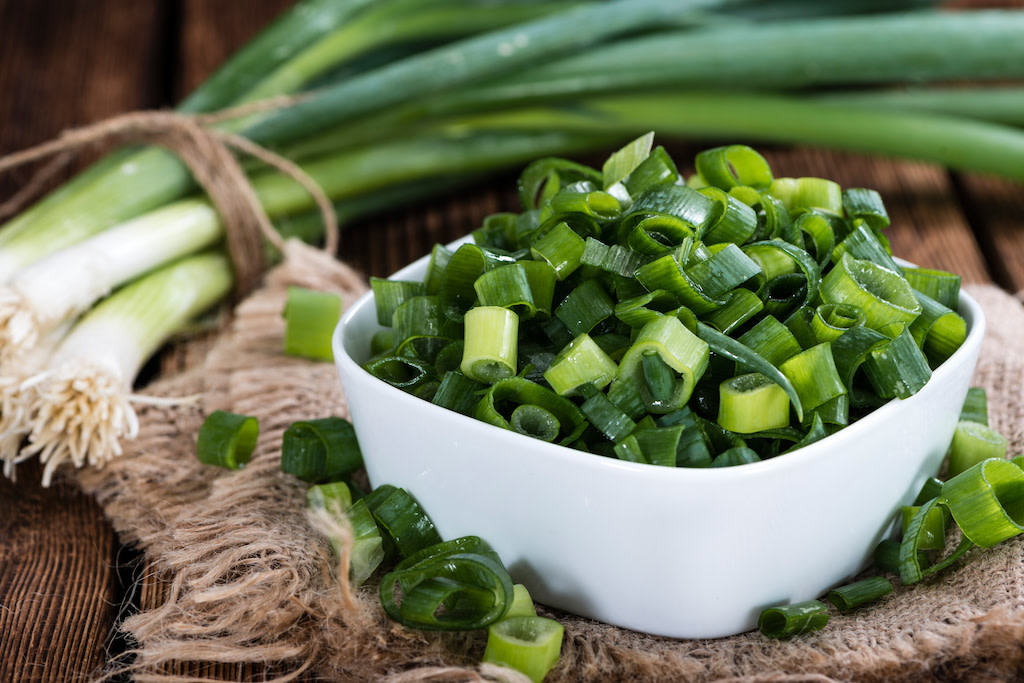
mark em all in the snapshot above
pixel 250 579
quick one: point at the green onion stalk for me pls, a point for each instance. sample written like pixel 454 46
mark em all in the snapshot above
pixel 313 41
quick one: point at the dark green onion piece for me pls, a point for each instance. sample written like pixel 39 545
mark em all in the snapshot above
pixel 597 204
pixel 458 392
pixel 584 307
pixel 367 551
pixel 470 261
pixel 940 285
pixel 324 449
pixel 227 439
pixel 561 248
pixel 309 321
pixel 939 330
pixel 912 557
pixel 388 295
pixel 987 501
pixel 737 455
pixel 404 373
pixel 528 644
pixel 932 530
pixel 515 391
pixel 656 234
pixel 692 449
pixel 440 255
pixel 543 178
pixel 617 259
pixel 652 445
pixel 607 417
pixel 680 201
pixel 508 287
pixel 737 223
pixel 657 169
pixel 666 273
pixel 898 369
pixel 859 593
pixel 402 520
pixel 787 621
pixel 863 243
pixel 831 320
pixel 420 328
pixel 455 585
pixel 867 205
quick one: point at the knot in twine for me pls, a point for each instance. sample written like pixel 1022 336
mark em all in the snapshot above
pixel 210 156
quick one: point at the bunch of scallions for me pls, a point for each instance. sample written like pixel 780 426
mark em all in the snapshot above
pixel 403 97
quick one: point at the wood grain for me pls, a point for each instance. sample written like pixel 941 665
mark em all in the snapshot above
pixel 63 64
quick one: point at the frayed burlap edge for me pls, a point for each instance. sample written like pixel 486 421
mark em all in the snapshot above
pixel 250 579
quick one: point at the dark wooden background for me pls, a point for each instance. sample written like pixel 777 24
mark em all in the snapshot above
pixel 64 577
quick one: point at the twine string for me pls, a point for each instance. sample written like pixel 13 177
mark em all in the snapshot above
pixel 210 155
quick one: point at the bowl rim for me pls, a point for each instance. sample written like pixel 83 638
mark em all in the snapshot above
pixel 968 307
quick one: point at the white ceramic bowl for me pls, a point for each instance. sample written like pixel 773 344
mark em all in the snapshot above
pixel 687 553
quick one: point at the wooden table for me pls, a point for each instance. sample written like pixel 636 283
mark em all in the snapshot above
pixel 64 577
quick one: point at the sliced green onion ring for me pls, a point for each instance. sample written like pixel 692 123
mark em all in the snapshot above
pixel 227 439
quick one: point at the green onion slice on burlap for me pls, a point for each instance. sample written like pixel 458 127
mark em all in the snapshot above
pixel 859 593
pixel 528 644
pixel 786 621
pixel 227 439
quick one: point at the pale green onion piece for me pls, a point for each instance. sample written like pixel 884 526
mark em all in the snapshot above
pixel 939 330
pixel 366 551
pixel 655 234
pixel 626 160
pixel 972 443
pixel 859 593
pixel 975 407
pixel 987 501
pixel 737 223
pixel 884 296
pixel 814 376
pixel 787 621
pixel 752 403
pixel 686 204
pixel 528 644
pixel 810 194
pixel 506 286
pixel 227 439
pixel 940 285
pixel 831 320
pixel 728 268
pixel 561 248
pixel 388 295
pixel 819 235
pixel 582 361
pixel 320 450
pixel 522 604
pixel 681 350
pixel 491 347
pixel 401 372
pixel 728 166
pixel 932 530
pixel 639 310
pixel 771 340
pixel 867 205
pixel 310 318
pixel 863 243
pixel 534 421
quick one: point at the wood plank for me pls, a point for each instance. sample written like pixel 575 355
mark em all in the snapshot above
pixel 63 63
pixel 995 209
